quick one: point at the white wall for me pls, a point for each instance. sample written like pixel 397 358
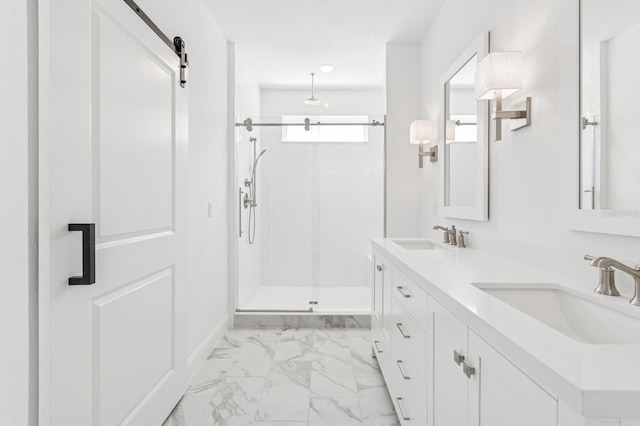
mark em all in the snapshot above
pixel 530 191
pixel 402 79
pixel 621 142
pixel 208 173
pixel 208 166
pixel 320 203
pixel 18 213
pixel 246 104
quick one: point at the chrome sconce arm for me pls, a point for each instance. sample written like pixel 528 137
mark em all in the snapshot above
pixel 420 133
pixel 500 115
pixel 432 154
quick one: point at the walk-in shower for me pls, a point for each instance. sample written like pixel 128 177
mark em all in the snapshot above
pixel 306 246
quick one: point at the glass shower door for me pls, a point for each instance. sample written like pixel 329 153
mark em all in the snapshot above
pixel 274 266
pixel 319 198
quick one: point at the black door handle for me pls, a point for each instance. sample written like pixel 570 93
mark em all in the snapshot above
pixel 88 253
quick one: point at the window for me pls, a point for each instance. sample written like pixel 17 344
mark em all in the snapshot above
pixel 466 128
pixel 340 134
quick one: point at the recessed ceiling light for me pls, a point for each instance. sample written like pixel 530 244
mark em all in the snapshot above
pixel 327 68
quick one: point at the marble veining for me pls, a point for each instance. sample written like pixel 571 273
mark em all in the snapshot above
pixel 302 321
pixel 288 377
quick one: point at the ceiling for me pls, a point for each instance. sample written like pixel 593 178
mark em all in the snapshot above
pixel 282 41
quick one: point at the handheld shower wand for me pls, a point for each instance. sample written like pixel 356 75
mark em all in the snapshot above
pixel 250 199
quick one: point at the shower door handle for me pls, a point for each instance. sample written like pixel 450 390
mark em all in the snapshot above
pixel 88 253
pixel 240 212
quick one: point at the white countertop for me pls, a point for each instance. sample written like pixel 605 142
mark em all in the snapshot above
pixel 595 380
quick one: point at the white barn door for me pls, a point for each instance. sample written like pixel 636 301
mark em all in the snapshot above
pixel 117 158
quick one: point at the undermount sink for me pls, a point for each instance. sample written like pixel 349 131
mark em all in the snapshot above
pixel 578 316
pixel 417 244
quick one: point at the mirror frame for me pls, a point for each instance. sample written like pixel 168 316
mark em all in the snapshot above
pixel 604 221
pixel 479 212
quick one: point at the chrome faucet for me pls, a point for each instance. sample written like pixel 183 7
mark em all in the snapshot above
pixel 445 236
pixel 606 285
pixel 453 237
pixel 461 235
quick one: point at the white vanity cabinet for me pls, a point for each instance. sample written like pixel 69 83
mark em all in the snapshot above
pixel 381 308
pixel 407 374
pixel 399 340
pixel 474 385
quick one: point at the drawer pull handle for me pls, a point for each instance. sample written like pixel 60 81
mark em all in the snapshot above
pixel 400 288
pixel 402 373
pixel 404 417
pixel 379 268
pixel 375 343
pixel 468 370
pixel 458 357
pixel 406 336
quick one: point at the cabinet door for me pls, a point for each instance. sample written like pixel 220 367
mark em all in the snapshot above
pixel 448 384
pixel 381 344
pixel 502 395
pixel 378 285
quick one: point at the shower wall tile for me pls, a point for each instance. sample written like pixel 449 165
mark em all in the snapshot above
pixel 321 202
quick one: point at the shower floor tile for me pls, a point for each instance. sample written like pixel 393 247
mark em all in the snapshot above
pixel 300 377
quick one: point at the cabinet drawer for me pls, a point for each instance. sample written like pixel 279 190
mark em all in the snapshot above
pixel 412 298
pixel 410 401
pixel 407 339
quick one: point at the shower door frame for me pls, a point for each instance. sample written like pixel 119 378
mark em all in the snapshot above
pixel 236 215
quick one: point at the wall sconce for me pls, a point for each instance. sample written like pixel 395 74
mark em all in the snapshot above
pixel 499 75
pixel 421 132
pixel 450 130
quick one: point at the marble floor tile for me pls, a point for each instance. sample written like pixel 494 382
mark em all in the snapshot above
pixel 304 336
pixel 294 355
pixel 364 364
pixel 384 420
pixel 283 401
pixel 252 361
pixel 234 402
pixel 328 411
pixel 207 377
pixel 333 338
pixel 188 411
pixel 359 344
pixel 288 377
pixel 332 372
pixel 279 424
pixel 326 385
pixel 291 371
pixel 375 402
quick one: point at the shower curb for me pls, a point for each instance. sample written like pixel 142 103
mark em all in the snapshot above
pixel 310 320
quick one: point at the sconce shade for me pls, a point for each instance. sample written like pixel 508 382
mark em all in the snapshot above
pixel 450 130
pixel 499 75
pixel 421 132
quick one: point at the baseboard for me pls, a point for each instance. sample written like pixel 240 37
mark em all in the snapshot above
pixel 200 354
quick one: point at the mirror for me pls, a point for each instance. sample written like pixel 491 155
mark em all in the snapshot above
pixel 609 166
pixel 609 148
pixel 465 138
